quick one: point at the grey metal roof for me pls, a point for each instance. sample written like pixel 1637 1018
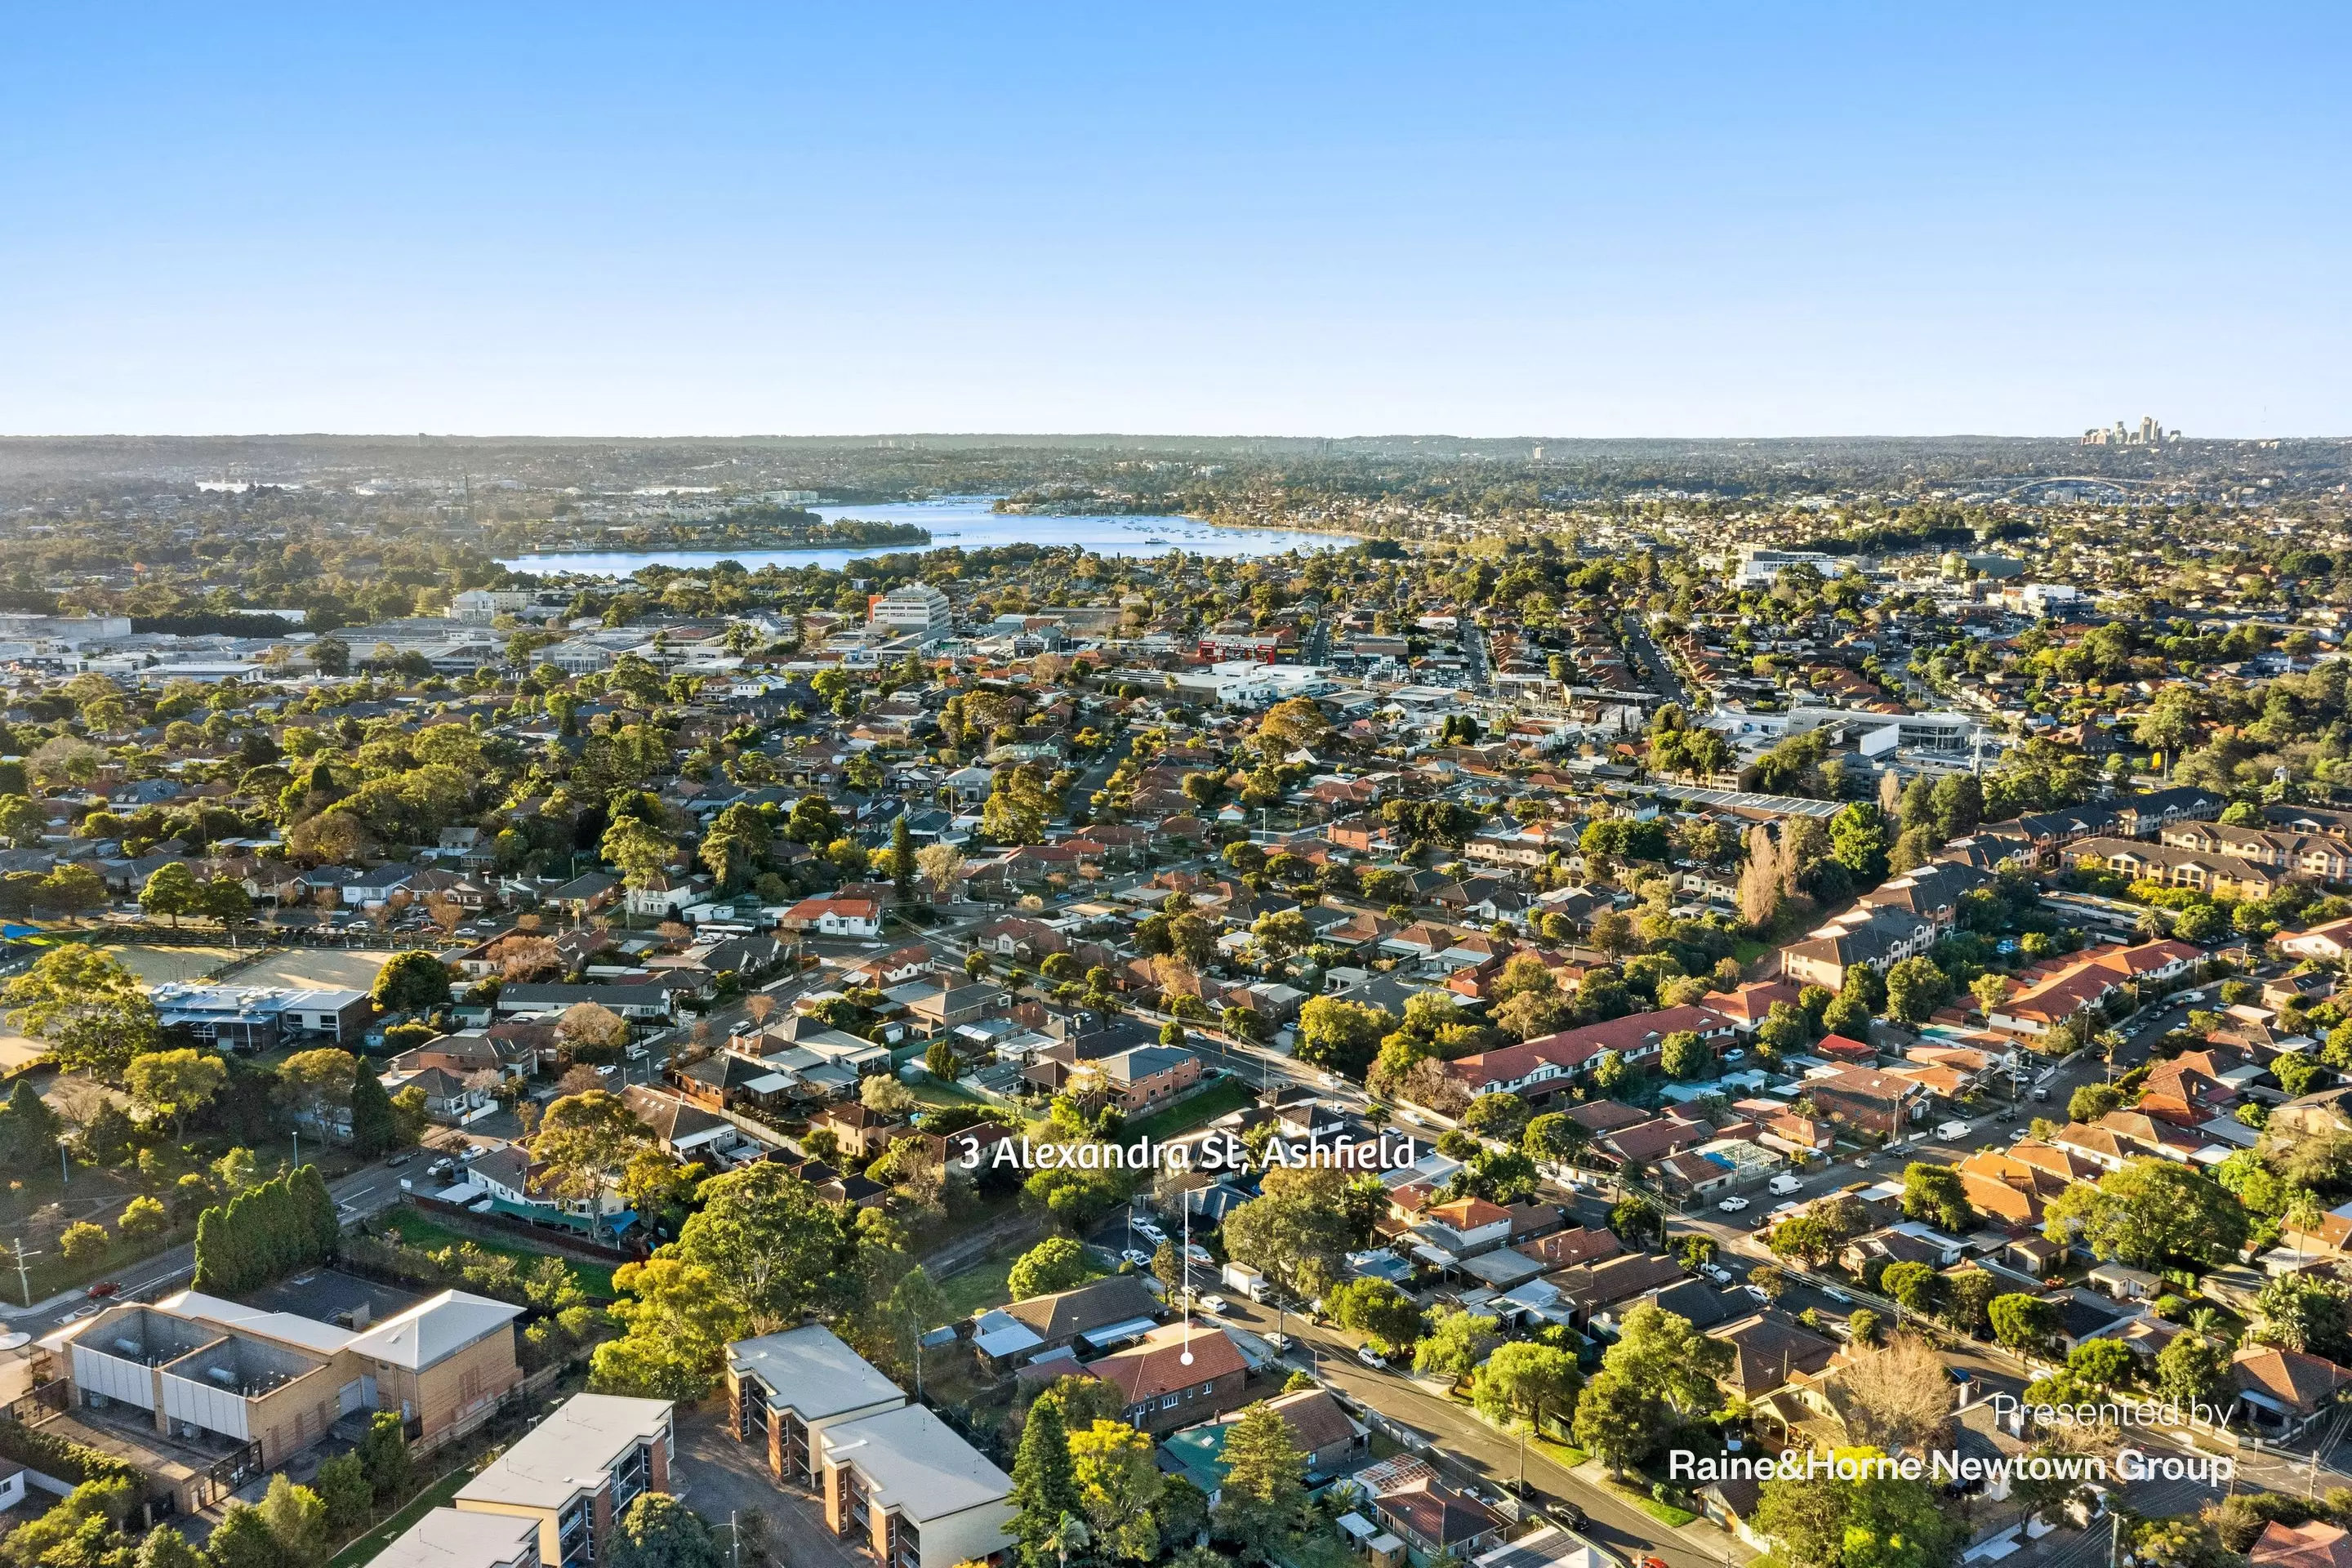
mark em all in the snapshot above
pixel 570 1452
pixel 811 1371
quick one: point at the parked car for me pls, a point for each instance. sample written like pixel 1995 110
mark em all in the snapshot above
pixel 1732 1205
pixel 1195 1253
pixel 1150 1232
pixel 104 1289
pixel 1136 1256
pixel 1216 1305
pixel 1370 1356
pixel 1717 1272
pixel 1760 1293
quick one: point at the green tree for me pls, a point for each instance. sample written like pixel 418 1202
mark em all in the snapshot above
pixel 243 1539
pixel 1378 1310
pixel 1914 989
pixel 1341 1035
pixel 343 1487
pixel 384 1455
pixel 412 982
pixel 28 1132
pixel 1456 1339
pixel 1877 1521
pixel 298 1518
pixel 1057 1263
pixel 1266 1484
pixel 1526 1379
pixel 2149 1212
pixel 91 1010
pixel 678 1320
pixel 169 1085
pixel 659 1531
pixel 1616 1421
pixel 170 890
pixel 167 1548
pixel 772 1243
pixel 1296 1231
pixel 1917 1286
pixel 1555 1138
pixel 1120 1487
pixel 2193 1367
pixel 585 1140
pixel 1498 1115
pixel 1660 1353
pixel 372 1118
pixel 1045 1482
pixel 2023 1323
pixel 2093 1100
pixel 1936 1195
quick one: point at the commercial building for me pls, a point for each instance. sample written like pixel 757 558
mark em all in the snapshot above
pixel 202 1393
pixel 259 1018
pixel 916 607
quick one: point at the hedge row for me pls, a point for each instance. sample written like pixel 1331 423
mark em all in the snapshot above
pixel 62 1458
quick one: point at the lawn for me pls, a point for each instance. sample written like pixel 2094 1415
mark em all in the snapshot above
pixel 1224 1095
pixel 415 1230
pixel 1748 950
pixel 1565 1453
pixel 978 1288
pixel 437 1495
pixel 931 1091
pixel 1665 1514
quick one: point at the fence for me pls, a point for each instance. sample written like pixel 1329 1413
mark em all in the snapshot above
pixel 546 1237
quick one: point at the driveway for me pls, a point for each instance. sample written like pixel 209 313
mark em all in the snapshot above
pixel 720 1479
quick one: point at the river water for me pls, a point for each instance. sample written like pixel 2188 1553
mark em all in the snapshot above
pixel 958 520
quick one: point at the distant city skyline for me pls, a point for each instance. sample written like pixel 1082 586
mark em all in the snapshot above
pixel 1531 221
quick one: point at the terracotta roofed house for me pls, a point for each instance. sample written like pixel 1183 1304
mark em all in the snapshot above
pixel 1162 1391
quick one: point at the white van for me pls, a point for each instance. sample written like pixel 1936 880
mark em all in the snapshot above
pixel 1952 1131
pixel 1784 1183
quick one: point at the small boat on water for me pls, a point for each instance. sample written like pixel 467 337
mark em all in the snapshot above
pixel 1155 542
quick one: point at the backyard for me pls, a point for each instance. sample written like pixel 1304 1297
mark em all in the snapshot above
pixel 1227 1094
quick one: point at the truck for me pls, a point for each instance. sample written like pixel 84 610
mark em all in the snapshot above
pixel 1248 1282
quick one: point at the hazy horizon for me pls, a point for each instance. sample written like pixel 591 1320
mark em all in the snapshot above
pixel 1708 223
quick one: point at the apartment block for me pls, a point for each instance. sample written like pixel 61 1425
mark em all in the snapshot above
pixel 576 1473
pixel 784 1389
pixel 905 1488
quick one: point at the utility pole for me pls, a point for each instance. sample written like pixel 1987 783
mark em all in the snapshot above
pixel 24 1278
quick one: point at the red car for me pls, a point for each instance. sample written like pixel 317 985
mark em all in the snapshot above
pixel 104 1289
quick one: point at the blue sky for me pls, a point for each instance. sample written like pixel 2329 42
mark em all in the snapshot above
pixel 1289 219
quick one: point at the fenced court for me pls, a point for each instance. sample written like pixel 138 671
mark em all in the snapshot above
pixel 160 965
pixel 319 969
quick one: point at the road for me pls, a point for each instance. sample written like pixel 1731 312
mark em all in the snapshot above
pixel 1462 1436
pixel 1662 679
pixel 362 1193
